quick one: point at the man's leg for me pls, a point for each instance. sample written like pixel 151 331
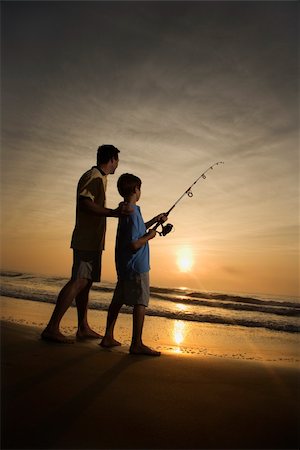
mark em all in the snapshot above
pixel 64 300
pixel 112 315
pixel 137 347
pixel 84 331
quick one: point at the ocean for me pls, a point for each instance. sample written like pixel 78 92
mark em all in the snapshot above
pixel 275 313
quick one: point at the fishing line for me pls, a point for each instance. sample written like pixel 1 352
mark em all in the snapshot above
pixel 168 228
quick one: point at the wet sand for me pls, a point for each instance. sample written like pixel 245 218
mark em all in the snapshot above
pixel 170 336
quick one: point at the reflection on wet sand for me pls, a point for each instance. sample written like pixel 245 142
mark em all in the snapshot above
pixel 179 334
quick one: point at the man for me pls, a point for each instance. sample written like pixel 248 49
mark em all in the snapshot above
pixel 87 243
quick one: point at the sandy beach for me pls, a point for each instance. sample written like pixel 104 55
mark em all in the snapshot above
pixel 81 396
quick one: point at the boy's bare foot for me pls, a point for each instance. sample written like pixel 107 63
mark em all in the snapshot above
pixel 56 337
pixel 108 342
pixel 143 350
pixel 87 333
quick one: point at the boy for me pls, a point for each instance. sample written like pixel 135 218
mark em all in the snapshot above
pixel 132 265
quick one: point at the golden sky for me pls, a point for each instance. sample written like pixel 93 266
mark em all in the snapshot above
pixel 176 86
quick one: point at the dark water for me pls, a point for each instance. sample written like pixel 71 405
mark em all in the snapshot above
pixel 269 312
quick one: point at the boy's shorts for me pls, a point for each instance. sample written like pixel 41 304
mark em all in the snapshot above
pixel 86 264
pixel 135 291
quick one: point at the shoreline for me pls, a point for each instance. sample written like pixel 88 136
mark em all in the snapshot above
pixel 170 336
pixel 83 397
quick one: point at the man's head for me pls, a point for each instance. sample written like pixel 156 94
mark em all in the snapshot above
pixel 129 185
pixel 108 158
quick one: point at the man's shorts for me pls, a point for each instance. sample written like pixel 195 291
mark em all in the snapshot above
pixel 86 264
pixel 135 291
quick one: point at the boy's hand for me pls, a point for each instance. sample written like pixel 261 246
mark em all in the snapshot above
pixel 151 234
pixel 161 218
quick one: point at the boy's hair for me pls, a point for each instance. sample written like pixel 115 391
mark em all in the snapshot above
pixel 106 152
pixel 127 184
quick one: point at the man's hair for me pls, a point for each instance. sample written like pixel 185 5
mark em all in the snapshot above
pixel 127 184
pixel 106 152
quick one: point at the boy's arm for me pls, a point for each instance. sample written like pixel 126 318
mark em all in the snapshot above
pixel 139 243
pixel 160 218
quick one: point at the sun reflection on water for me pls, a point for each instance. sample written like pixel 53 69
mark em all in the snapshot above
pixel 181 307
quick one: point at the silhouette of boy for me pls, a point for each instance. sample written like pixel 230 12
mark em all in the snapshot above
pixel 132 265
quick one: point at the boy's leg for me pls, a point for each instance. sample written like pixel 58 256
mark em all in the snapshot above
pixel 137 347
pixel 137 325
pixel 112 315
pixel 64 300
pixel 84 331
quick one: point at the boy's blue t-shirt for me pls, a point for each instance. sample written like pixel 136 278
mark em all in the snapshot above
pixel 131 228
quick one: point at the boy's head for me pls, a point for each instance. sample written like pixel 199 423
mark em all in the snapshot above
pixel 127 185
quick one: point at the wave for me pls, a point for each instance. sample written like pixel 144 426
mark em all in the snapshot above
pixel 11 274
pixel 203 318
pixel 236 303
pixel 35 297
pixel 276 314
pixel 224 297
pixel 175 315
pixel 278 308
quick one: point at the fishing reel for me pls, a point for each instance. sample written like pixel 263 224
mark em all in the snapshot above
pixel 165 229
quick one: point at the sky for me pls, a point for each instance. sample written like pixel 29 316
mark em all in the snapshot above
pixel 176 86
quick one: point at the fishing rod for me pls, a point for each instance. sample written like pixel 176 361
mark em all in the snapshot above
pixel 168 228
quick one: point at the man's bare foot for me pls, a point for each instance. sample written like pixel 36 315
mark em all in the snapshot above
pixel 56 337
pixel 87 333
pixel 108 342
pixel 143 350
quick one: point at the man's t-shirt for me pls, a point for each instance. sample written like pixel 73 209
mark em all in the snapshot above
pixel 131 228
pixel 89 231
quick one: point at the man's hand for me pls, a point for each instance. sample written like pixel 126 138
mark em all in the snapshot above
pixel 124 209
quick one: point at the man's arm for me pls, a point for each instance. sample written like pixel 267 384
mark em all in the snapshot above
pixel 87 205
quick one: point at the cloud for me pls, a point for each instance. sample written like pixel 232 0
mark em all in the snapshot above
pixel 176 86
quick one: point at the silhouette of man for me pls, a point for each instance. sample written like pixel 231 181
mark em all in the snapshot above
pixel 87 243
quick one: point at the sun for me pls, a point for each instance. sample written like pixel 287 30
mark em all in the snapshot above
pixel 185 260
pixel 185 264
